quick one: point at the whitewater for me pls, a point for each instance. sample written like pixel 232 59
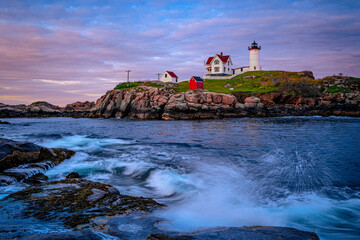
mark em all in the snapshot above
pixel 300 172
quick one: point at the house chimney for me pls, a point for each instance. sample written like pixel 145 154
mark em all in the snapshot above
pixel 221 53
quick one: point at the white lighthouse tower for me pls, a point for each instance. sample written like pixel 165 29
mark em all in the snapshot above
pixel 254 56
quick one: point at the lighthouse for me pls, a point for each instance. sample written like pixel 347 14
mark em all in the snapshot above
pixel 254 56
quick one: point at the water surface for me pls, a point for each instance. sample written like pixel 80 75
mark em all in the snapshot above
pixel 300 172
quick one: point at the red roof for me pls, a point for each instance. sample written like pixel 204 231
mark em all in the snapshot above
pixel 172 74
pixel 242 67
pixel 209 60
pixel 223 58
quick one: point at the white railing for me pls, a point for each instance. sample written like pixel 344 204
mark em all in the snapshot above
pixel 221 77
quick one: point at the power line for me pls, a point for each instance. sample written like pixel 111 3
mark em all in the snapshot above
pixel 158 74
pixel 128 74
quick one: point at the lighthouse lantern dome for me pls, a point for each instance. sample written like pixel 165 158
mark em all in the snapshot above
pixel 254 45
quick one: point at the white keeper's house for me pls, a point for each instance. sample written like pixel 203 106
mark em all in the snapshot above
pixel 221 65
pixel 169 77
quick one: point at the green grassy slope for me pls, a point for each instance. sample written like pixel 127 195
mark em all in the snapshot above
pixel 296 83
pixel 258 82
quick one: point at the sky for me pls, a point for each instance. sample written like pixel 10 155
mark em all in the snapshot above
pixel 70 50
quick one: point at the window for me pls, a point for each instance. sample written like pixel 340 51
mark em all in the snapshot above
pixel 228 69
pixel 241 69
pixel 224 69
pixel 254 68
pixel 176 80
pixel 216 62
pixel 165 75
pixel 216 69
pixel 228 63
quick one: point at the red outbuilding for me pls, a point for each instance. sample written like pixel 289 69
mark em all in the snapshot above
pixel 196 83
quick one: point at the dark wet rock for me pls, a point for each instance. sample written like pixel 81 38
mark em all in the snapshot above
pixel 240 233
pixel 4 122
pixel 160 236
pixel 70 235
pixel 9 147
pixel 96 194
pixel 36 179
pixel 76 201
pixel 21 160
pixel 73 175
pixel 111 214
pixel 146 226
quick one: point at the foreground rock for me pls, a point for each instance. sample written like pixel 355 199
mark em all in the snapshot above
pixel 75 201
pixel 4 122
pixel 21 160
pixel 144 226
pixel 92 211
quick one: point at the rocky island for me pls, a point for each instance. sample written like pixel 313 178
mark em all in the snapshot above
pixel 273 94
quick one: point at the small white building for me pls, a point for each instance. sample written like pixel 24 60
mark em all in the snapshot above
pixel 169 77
pixel 219 65
pixel 240 70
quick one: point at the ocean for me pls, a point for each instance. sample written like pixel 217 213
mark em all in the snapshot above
pixel 301 172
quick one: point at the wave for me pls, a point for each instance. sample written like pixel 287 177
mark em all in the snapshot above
pixel 85 143
pixel 237 201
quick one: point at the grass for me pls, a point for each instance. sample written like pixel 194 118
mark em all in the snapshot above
pixel 124 85
pixel 181 86
pixel 336 89
pixel 294 83
pixel 255 82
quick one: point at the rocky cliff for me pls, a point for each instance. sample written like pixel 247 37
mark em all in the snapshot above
pixel 335 95
pixel 161 103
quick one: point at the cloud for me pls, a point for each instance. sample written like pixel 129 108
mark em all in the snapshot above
pixel 80 49
pixel 16 99
pixel 93 95
pixel 59 82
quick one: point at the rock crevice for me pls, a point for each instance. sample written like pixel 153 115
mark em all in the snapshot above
pixel 21 160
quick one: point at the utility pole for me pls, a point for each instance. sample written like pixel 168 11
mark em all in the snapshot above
pixel 128 73
pixel 158 74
